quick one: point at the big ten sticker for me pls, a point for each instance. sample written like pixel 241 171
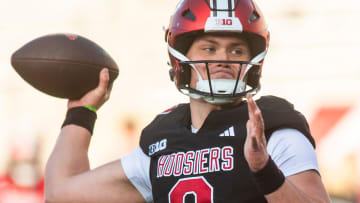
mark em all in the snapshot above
pixel 224 21
pixel 157 146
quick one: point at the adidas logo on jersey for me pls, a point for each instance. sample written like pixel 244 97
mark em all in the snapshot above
pixel 228 132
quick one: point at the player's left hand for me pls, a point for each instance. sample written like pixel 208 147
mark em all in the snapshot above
pixel 255 145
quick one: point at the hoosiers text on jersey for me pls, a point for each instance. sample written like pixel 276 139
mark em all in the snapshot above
pixel 196 162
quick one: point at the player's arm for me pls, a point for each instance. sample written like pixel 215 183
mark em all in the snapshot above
pixel 68 177
pixel 302 187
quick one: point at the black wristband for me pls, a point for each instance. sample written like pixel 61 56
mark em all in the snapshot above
pixel 270 178
pixel 80 116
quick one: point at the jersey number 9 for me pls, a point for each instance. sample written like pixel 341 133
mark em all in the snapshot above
pixel 196 186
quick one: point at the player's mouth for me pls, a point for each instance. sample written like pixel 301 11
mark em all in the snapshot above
pixel 222 73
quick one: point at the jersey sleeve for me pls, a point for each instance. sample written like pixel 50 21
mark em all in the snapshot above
pixel 136 166
pixel 292 151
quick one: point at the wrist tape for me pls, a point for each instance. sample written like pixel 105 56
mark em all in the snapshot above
pixel 270 178
pixel 81 116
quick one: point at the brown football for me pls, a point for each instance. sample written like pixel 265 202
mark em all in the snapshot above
pixel 63 65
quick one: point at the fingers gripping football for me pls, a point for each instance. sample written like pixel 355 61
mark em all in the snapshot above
pixel 98 96
pixel 104 87
pixel 255 145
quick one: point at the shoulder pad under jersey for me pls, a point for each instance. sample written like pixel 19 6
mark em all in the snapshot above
pixel 164 123
pixel 279 113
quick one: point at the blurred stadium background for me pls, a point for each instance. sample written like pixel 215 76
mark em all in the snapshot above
pixel 312 62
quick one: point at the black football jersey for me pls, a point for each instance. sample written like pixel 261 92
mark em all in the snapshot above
pixel 210 166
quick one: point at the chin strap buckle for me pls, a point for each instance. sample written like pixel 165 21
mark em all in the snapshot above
pixel 171 74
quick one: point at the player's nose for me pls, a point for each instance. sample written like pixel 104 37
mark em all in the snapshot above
pixel 222 56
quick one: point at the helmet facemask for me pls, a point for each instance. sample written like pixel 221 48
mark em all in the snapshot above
pixel 218 91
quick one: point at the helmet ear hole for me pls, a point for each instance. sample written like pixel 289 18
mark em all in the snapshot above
pixel 171 74
pixel 185 72
pixel 254 76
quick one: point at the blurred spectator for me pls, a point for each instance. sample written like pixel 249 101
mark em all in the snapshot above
pixel 335 129
pixel 23 181
pixel 335 199
pixel 130 130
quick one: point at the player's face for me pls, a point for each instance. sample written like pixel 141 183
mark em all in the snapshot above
pixel 221 48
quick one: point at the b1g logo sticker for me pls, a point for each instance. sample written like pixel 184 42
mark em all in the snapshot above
pixel 157 146
pixel 224 21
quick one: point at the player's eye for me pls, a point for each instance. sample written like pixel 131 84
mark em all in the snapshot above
pixel 209 49
pixel 237 52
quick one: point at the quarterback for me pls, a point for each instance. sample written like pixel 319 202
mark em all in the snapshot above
pixel 222 146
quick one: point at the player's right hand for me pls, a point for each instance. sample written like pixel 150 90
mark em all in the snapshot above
pixel 255 144
pixel 96 97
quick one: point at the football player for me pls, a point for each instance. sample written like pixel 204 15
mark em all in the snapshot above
pixel 222 146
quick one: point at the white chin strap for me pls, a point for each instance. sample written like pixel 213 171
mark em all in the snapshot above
pixel 219 86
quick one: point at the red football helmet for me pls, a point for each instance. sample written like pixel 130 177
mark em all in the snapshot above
pixel 237 17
